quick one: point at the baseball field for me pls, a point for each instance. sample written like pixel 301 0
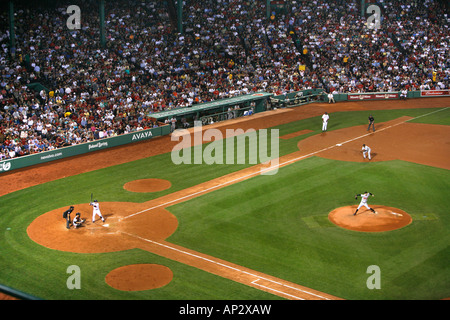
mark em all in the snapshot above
pixel 226 231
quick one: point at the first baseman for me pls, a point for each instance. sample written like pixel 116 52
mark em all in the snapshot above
pixel 363 202
pixel 366 151
pixel 96 210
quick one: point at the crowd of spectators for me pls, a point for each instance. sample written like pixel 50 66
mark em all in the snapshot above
pixel 227 48
pixel 349 56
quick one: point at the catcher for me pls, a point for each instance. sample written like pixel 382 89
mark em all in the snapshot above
pixel 66 215
pixel 364 196
pixel 77 221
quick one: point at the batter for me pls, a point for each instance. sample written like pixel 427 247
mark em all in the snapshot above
pixel 96 210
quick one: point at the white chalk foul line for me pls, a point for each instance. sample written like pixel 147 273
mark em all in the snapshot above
pixel 278 291
pixel 427 114
pixel 270 168
pixel 233 180
pixel 350 140
pixel 287 286
pixel 244 177
pixel 226 266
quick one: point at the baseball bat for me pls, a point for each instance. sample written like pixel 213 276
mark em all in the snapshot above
pixel 91 197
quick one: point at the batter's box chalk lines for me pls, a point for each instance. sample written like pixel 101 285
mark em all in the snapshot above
pixel 216 263
pixel 270 168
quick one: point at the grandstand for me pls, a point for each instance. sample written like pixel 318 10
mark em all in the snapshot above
pixel 132 59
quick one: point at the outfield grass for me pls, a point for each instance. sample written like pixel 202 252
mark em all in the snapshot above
pixel 273 224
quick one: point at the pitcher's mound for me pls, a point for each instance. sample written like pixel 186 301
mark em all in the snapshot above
pixel 386 218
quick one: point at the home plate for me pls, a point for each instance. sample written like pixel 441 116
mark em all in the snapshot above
pixel 105 225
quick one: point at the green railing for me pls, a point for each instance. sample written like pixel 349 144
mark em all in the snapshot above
pixel 257 100
pixel 226 115
pixel 17 294
pixel 61 153
pixel 298 98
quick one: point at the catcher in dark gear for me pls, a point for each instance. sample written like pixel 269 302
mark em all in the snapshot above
pixel 77 221
pixel 66 215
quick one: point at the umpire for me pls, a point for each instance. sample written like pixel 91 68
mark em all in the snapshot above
pixel 371 123
pixel 66 215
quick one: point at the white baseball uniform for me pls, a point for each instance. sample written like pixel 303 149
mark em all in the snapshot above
pixel 96 211
pixel 363 202
pixel 325 118
pixel 364 197
pixel 366 152
pixel 77 221
pixel 331 98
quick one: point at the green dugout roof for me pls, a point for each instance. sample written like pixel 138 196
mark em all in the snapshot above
pixel 210 105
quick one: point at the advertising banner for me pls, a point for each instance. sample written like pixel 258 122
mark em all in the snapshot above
pixel 37 158
pixel 434 93
pixel 373 96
